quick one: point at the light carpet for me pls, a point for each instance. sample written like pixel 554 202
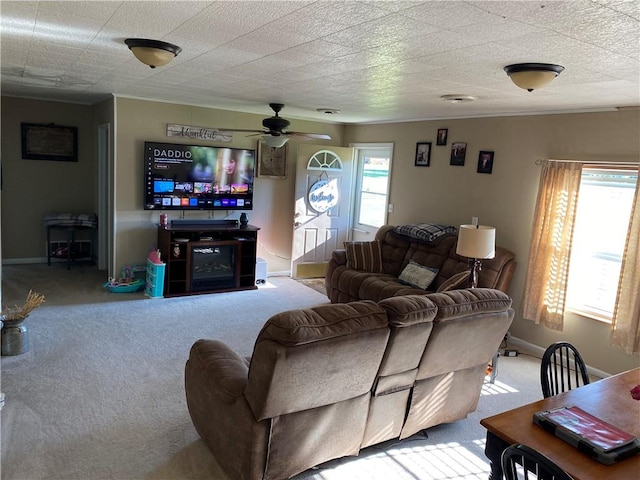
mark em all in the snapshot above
pixel 100 394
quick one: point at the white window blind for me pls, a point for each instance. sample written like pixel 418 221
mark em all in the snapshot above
pixel 602 219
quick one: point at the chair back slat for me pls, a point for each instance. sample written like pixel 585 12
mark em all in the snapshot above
pixel 562 369
pixel 518 461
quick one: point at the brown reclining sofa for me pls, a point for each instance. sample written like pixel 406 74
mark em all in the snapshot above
pixel 327 381
pixel 346 284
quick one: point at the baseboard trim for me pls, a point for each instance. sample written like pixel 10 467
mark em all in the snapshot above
pixel 27 261
pixel 539 351
pixel 284 273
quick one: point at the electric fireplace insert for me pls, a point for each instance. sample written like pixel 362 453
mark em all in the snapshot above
pixel 214 266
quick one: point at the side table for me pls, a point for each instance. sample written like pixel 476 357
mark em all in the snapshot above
pixel 70 223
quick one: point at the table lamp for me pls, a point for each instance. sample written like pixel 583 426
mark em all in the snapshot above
pixel 476 242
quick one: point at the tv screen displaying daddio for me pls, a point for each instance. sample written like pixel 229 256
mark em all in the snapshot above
pixel 195 177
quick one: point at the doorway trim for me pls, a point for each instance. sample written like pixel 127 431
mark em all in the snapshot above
pixel 358 232
pixel 105 195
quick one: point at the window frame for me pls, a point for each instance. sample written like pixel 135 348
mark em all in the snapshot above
pixel 386 150
pixel 575 309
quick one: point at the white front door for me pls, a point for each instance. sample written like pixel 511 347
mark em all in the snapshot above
pixel 322 207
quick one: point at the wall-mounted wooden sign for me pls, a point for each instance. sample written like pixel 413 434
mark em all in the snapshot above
pixel 201 133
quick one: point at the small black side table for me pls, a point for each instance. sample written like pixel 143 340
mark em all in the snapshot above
pixel 70 223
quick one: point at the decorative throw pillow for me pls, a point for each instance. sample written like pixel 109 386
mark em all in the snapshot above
pixel 365 256
pixel 417 275
pixel 459 280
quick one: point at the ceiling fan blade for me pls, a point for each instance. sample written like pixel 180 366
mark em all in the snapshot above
pixel 240 130
pixel 319 136
pixel 275 127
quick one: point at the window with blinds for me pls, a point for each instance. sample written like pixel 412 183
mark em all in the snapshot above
pixel 602 219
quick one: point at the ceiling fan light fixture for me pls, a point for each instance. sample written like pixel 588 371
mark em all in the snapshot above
pixel 154 53
pixel 275 141
pixel 532 76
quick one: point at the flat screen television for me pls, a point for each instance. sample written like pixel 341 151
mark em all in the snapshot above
pixel 197 177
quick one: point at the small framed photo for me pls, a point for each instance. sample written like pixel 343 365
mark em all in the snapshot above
pixel 423 154
pixel 485 162
pixel 441 139
pixel 458 153
pixel 272 161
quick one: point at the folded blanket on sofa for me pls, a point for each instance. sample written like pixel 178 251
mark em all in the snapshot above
pixel 425 232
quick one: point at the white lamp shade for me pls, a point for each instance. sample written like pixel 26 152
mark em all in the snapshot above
pixel 275 141
pixel 476 241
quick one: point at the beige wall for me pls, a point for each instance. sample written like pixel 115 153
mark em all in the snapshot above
pixel 138 121
pixel 439 193
pixel 33 188
pixel 448 194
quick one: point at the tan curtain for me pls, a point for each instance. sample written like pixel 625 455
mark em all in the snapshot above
pixel 548 268
pixel 625 327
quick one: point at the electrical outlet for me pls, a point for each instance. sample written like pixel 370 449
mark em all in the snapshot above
pixel 510 353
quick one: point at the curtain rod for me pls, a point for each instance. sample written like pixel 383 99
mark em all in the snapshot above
pixel 597 162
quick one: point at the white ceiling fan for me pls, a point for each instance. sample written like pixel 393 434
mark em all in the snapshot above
pixel 275 133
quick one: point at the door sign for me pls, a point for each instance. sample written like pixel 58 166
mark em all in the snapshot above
pixel 323 195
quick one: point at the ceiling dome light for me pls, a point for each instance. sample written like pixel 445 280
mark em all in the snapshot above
pixel 152 52
pixel 457 98
pixel 329 111
pixel 532 76
pixel 275 141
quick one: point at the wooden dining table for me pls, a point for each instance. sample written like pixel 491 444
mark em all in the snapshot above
pixel 608 399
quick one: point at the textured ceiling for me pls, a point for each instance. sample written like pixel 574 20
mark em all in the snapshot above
pixel 376 61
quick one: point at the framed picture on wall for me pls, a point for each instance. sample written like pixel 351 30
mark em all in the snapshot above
pixel 272 161
pixel 441 138
pixel 423 154
pixel 49 142
pixel 458 153
pixel 485 162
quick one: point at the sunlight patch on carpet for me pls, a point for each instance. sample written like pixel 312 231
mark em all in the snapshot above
pixel 429 462
pixel 496 388
pixel 266 285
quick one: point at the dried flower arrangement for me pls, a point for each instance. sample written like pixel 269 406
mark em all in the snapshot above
pixel 34 300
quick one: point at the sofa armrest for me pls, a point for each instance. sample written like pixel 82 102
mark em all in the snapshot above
pixel 215 380
pixel 222 367
pixel 339 256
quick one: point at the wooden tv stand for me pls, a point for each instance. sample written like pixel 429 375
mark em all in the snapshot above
pixel 179 244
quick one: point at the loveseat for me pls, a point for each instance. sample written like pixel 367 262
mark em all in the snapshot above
pixel 327 381
pixel 370 279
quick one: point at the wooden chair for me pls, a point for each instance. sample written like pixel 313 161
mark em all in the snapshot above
pixel 562 369
pixel 526 460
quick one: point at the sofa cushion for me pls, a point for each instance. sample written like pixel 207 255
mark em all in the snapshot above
pixel 379 287
pixel 417 275
pixel 365 256
pixel 459 280
pixel 431 255
pixel 469 302
pixel 299 353
pixel 496 272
